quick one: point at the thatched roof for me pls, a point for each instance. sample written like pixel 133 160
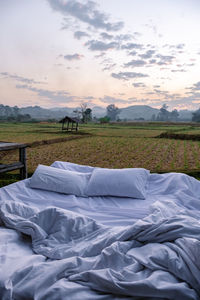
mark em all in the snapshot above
pixel 68 119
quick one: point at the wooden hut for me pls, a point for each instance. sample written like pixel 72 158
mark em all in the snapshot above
pixel 69 124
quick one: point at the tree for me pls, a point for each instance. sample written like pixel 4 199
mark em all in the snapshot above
pixel 112 112
pixel 8 111
pixel 104 120
pixel 87 115
pixel 163 114
pixel 84 113
pixel 15 111
pixel 23 118
pixel 196 116
pixel 174 115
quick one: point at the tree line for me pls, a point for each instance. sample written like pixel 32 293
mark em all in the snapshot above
pixel 84 114
pixel 8 113
pixel 164 115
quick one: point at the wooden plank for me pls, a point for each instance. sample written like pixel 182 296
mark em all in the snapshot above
pixel 11 146
pixel 4 146
pixel 2 166
pixel 11 167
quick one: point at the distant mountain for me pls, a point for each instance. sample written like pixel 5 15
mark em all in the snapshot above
pixel 65 110
pixel 138 111
pixel 98 111
pixel 37 112
pixel 129 113
pixel 185 115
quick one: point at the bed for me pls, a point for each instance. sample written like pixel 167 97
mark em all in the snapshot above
pixel 100 243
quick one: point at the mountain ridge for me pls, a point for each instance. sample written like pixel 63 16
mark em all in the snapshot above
pixel 130 113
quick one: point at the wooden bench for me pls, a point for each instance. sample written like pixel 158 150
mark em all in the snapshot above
pixel 21 164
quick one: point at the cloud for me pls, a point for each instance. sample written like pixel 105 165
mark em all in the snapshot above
pixel 20 79
pixel 190 65
pixel 137 34
pixel 160 92
pixel 178 70
pixel 102 54
pixel 131 46
pixel 118 38
pixel 95 45
pixel 165 59
pixel 128 75
pixel 159 59
pixel 106 36
pixel 178 46
pixel 195 87
pixel 89 98
pixel 139 85
pixel 86 12
pixel 135 63
pixel 113 100
pixel 153 61
pixel 123 37
pixel 80 34
pixel 54 96
pixel 132 53
pixel 147 54
pixel 173 100
pixel 108 66
pixel 194 92
pixel 74 56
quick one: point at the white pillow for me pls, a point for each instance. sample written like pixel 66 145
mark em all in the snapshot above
pixel 118 182
pixel 72 167
pixel 61 181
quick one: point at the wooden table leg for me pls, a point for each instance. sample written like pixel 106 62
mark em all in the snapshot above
pixel 22 159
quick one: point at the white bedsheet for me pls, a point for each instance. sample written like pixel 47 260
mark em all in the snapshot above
pixel 171 193
pixel 113 211
pixel 154 257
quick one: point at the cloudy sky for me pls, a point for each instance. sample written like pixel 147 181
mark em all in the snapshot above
pixel 58 53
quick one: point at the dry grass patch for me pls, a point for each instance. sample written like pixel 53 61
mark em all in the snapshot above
pixel 113 152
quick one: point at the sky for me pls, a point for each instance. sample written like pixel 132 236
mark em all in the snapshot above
pixel 62 53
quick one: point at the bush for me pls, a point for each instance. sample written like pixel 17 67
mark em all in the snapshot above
pixel 104 120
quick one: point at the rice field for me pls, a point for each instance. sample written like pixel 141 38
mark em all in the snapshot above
pixel 157 155
pixel 29 132
pixel 111 146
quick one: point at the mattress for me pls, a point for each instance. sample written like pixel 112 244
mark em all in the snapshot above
pixel 58 246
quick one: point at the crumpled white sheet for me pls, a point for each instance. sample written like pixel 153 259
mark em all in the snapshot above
pixel 156 257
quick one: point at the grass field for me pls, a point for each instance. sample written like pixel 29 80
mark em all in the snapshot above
pixel 111 145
